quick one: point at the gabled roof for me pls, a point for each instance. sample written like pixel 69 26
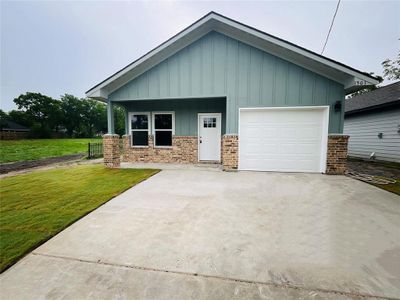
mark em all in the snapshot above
pixel 351 78
pixel 384 96
pixel 12 126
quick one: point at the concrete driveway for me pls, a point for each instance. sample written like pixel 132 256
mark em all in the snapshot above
pixel 195 234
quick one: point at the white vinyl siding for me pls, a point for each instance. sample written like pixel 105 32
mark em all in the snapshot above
pixel 363 130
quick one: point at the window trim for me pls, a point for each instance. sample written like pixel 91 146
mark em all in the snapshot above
pixel 153 126
pixel 148 127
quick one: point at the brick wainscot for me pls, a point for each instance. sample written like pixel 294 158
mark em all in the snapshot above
pixel 229 152
pixel 183 150
pixel 336 161
pixel 336 154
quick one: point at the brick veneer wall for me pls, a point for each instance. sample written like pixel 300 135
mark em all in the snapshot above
pixel 337 154
pixel 183 150
pixel 229 149
pixel 13 135
pixel 112 155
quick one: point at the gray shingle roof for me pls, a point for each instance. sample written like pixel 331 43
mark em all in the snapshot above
pixel 385 95
pixel 12 126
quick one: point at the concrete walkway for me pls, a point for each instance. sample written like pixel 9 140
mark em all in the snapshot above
pixel 199 234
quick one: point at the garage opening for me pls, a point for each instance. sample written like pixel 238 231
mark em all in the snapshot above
pixel 284 139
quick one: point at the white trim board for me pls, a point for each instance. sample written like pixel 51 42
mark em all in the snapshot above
pixel 351 78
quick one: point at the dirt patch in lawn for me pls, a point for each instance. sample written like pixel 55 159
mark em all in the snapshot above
pixel 378 170
pixel 22 165
pixel 384 169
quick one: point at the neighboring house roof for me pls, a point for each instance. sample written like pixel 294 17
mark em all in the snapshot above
pixel 12 126
pixel 384 96
pixel 351 78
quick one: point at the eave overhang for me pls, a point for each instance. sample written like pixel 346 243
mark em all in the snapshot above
pixel 352 79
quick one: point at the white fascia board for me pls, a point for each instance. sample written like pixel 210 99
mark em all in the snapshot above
pixel 214 20
pixel 296 49
pixel 98 94
pixel 157 50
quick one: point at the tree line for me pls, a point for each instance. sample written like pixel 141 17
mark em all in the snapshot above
pixel 68 116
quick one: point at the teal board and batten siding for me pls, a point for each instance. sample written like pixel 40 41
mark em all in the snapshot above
pixel 363 130
pixel 186 111
pixel 217 65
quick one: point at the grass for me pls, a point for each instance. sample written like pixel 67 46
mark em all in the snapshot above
pixel 21 150
pixel 394 188
pixel 36 206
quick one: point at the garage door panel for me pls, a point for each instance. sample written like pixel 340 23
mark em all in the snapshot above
pixel 281 140
pixel 271 164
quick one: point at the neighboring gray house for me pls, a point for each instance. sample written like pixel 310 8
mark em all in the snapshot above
pixel 11 126
pixel 372 121
pixel 10 130
pixel 223 92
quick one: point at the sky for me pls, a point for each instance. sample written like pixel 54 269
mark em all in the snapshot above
pixel 59 47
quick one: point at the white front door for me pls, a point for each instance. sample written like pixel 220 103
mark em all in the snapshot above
pixel 210 137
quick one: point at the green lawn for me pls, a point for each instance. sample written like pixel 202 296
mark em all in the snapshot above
pixel 20 150
pixel 36 206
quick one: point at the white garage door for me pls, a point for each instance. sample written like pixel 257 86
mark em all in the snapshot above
pixel 283 139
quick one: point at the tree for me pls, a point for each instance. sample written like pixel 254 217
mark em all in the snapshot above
pixel 3 119
pixel 391 68
pixel 119 120
pixel 42 109
pixel 391 71
pixel 21 117
pixel 94 116
pixel 72 112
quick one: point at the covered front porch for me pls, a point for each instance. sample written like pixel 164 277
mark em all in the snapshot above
pixel 167 131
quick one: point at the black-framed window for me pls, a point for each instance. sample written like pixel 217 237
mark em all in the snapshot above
pixel 163 123
pixel 140 125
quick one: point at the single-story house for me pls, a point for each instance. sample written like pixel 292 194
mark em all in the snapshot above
pixel 372 120
pixel 221 91
pixel 11 126
pixel 10 130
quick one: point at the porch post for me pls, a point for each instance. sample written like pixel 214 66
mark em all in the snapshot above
pixel 126 121
pixel 110 117
pixel 111 150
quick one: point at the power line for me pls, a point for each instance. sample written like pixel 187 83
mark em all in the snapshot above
pixel 330 28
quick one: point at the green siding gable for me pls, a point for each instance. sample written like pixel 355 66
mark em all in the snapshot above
pixel 219 66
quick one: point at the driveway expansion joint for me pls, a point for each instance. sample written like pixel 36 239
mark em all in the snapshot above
pixel 278 285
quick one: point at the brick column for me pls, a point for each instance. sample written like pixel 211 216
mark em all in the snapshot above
pixel 229 149
pixel 111 150
pixel 336 163
pixel 126 144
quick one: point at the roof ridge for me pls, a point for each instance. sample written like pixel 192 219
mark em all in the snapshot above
pixel 212 15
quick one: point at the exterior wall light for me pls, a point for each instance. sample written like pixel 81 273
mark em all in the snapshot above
pixel 338 106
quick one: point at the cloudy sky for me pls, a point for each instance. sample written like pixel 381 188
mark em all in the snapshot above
pixel 56 47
